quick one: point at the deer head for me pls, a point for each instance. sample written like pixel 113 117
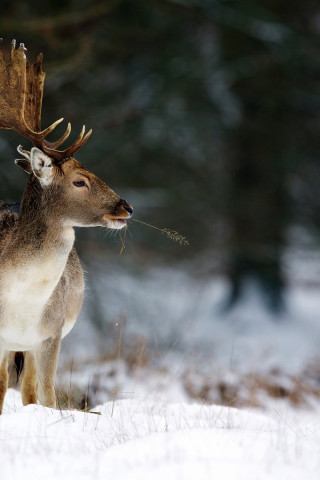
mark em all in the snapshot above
pixel 80 198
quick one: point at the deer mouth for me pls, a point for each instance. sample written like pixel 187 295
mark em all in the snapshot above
pixel 114 222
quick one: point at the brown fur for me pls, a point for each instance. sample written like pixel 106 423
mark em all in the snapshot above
pixel 4 377
pixel 29 384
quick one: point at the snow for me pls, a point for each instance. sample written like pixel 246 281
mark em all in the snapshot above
pixel 182 322
pixel 166 417
pixel 138 439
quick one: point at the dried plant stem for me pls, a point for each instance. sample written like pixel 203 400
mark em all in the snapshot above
pixel 123 239
pixel 173 235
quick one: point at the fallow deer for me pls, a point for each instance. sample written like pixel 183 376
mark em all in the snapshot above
pixel 41 279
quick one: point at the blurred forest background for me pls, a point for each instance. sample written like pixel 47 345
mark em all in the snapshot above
pixel 205 117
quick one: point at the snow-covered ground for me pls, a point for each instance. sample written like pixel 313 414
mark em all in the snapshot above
pixel 175 325
pixel 165 363
pixel 139 440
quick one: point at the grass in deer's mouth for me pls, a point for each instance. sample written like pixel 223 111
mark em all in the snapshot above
pixel 123 237
pixel 172 234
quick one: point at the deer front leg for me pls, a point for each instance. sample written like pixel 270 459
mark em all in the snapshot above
pixel 4 376
pixel 29 384
pixel 46 361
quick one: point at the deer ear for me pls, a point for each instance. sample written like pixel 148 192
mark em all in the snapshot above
pixel 41 166
pixel 24 164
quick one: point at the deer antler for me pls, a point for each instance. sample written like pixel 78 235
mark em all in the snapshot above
pixel 21 91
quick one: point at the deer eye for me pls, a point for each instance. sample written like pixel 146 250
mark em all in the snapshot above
pixel 80 183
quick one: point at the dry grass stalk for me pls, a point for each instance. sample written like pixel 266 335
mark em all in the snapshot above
pixel 172 234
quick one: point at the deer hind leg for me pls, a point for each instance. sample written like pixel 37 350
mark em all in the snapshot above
pixel 4 376
pixel 29 383
pixel 46 359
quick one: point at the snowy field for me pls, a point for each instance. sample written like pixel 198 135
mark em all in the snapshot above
pixel 165 330
pixel 177 387
pixel 139 440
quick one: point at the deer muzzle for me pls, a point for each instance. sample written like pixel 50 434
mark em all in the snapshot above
pixel 118 219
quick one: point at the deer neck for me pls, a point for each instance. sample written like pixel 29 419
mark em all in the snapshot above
pixel 40 244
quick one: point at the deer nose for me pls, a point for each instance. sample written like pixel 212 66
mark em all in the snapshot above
pixel 126 206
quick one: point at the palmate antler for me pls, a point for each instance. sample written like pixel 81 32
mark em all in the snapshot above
pixel 21 91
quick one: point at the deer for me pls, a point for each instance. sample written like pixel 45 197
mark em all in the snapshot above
pixel 41 278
